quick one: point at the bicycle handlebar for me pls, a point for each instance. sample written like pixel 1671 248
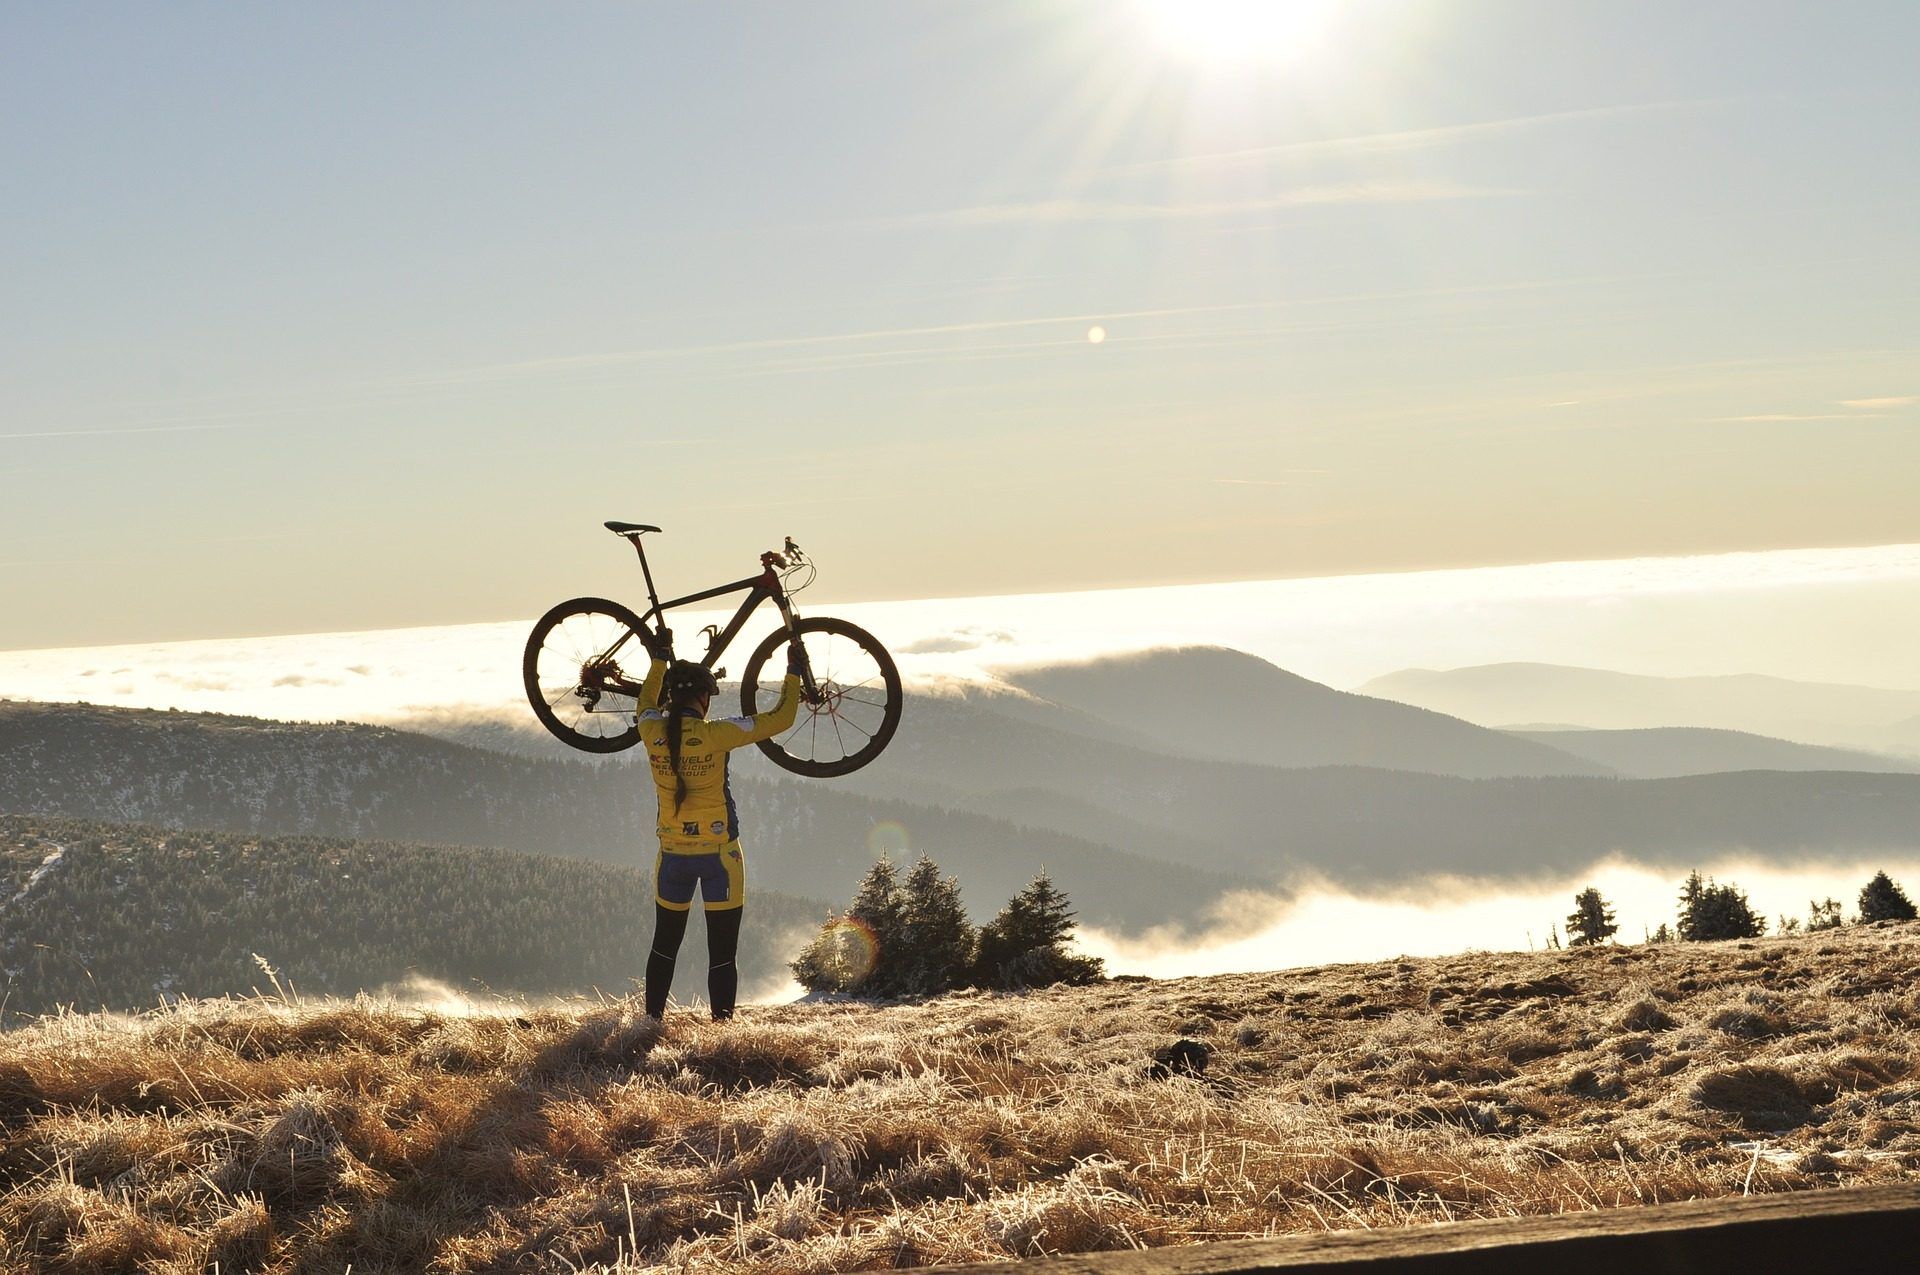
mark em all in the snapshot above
pixel 781 559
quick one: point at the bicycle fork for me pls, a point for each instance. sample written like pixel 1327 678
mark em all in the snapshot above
pixel 809 689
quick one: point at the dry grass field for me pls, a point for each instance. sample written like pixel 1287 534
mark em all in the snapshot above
pixel 276 1137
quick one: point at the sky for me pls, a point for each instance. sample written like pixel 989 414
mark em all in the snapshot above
pixel 323 318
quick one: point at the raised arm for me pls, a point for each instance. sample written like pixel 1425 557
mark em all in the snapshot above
pixel 648 695
pixel 736 732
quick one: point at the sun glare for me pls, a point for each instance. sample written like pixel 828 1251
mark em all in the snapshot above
pixel 1240 31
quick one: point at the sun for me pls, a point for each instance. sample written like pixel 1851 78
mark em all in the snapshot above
pixel 1240 31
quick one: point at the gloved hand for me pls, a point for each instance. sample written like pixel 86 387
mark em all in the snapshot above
pixel 659 645
pixel 796 659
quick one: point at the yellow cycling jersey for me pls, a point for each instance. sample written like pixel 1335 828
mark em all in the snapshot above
pixel 705 821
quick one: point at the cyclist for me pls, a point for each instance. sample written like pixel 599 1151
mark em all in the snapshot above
pixel 699 828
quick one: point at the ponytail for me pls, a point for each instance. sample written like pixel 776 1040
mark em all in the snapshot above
pixel 675 715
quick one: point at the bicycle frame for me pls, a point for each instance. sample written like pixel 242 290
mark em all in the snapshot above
pixel 761 588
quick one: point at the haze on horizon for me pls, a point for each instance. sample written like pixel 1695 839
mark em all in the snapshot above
pixel 317 322
pixel 1810 616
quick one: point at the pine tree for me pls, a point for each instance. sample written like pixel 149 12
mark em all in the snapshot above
pixel 1882 900
pixel 878 904
pixel 937 940
pixel 1709 911
pixel 1731 916
pixel 1824 915
pixel 836 960
pixel 1026 944
pixel 852 953
pixel 1690 891
pixel 1592 919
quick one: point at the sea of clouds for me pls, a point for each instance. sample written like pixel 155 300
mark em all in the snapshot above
pixel 1816 614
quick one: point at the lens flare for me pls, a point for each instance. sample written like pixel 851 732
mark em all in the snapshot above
pixel 852 949
pixel 888 838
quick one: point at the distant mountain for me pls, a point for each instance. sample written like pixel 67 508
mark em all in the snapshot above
pixel 1667 751
pixel 999 755
pixel 96 914
pixel 1808 712
pixel 1214 702
pixel 1016 756
pixel 208 771
pixel 1356 824
pixel 1195 829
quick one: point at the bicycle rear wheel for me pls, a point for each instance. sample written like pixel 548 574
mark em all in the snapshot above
pixel 857 709
pixel 570 650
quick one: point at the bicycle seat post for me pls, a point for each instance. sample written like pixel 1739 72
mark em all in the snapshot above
pixel 653 595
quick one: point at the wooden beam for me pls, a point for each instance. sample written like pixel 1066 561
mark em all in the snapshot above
pixel 1856 1228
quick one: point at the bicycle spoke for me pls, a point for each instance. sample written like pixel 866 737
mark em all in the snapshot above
pixel 838 737
pixel 864 731
pixel 564 633
pixel 612 648
pixel 856 725
pixel 566 672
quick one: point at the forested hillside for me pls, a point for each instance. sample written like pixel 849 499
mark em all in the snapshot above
pixel 96 914
pixel 1135 838
pixel 235 774
pixel 1363 824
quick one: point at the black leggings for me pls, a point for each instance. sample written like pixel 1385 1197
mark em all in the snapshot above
pixel 723 942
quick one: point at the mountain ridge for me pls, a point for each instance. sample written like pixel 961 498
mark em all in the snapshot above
pixel 1825 713
pixel 1253 826
pixel 1665 752
pixel 1214 701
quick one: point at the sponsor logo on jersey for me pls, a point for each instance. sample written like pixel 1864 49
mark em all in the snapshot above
pixel 690 829
pixel 718 826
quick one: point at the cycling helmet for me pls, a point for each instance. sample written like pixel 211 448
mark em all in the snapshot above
pixel 687 681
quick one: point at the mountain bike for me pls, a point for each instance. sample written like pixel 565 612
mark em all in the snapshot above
pixel 850 689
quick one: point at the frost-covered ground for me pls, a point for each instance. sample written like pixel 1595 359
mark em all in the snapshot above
pixel 274 1137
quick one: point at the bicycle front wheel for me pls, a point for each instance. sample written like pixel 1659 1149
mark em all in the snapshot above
pixel 856 709
pixel 570 654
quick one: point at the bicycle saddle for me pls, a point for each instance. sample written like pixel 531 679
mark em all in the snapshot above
pixel 629 528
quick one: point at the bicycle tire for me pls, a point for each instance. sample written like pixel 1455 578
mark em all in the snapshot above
pixel 884 674
pixel 543 697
